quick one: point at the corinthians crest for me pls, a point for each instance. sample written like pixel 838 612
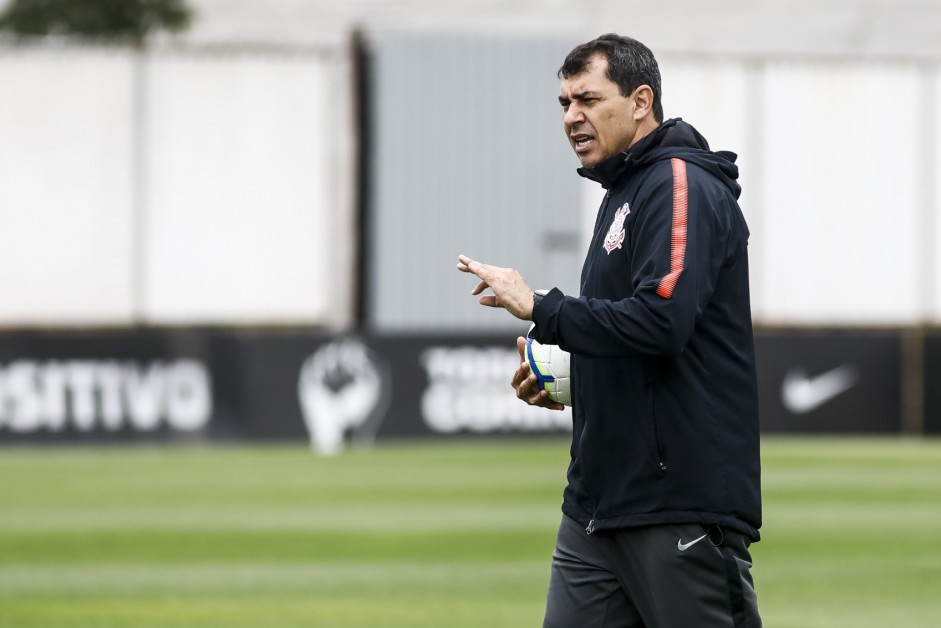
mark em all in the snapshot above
pixel 615 236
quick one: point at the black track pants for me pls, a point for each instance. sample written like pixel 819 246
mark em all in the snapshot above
pixel 665 576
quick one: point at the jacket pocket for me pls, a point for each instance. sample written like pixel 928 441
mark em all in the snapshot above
pixel 656 444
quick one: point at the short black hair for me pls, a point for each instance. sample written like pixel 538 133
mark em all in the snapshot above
pixel 630 65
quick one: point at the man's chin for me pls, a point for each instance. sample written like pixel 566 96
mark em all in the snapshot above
pixel 587 161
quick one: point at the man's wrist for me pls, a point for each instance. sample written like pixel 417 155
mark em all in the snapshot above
pixel 537 299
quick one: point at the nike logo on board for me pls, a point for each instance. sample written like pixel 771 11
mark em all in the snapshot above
pixel 801 394
pixel 680 545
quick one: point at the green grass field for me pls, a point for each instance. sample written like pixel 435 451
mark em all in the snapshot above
pixel 420 535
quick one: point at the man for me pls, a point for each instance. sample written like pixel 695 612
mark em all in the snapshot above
pixel 663 495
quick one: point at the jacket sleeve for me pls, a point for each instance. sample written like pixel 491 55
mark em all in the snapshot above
pixel 679 243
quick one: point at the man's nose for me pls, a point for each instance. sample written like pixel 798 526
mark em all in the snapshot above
pixel 573 115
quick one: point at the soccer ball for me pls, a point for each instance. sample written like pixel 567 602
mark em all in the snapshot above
pixel 550 364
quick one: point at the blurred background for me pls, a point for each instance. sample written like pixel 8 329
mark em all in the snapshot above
pixel 229 235
pixel 199 196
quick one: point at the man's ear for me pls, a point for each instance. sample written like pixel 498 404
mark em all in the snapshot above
pixel 643 102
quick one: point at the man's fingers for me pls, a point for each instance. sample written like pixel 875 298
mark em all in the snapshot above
pixel 524 383
pixel 510 292
pixel 541 398
pixel 527 388
pixel 520 375
pixel 529 391
pixel 467 265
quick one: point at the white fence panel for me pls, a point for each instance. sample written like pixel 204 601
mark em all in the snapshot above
pixel 189 187
pixel 245 153
pixel 179 187
pixel 66 170
pixel 841 200
pixel 931 170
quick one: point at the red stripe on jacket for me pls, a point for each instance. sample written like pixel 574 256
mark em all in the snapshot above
pixel 678 232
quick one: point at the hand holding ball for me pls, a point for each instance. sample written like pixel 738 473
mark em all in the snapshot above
pixel 550 365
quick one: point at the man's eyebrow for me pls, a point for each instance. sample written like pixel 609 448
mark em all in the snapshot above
pixel 577 96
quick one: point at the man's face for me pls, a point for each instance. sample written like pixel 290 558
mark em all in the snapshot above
pixel 598 120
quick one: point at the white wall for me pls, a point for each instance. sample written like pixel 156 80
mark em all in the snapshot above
pixel 182 187
pixel 841 203
pixel 209 187
pixel 930 240
pixel 65 187
pixel 239 178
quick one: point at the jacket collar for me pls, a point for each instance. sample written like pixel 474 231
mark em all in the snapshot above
pixel 610 171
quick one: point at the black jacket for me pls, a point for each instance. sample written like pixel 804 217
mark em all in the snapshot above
pixel 664 386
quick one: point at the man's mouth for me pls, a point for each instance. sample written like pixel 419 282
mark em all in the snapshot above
pixel 583 142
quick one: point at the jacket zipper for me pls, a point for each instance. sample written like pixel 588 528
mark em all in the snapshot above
pixel 602 214
pixel 658 448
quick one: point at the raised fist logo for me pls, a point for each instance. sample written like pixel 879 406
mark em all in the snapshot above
pixel 343 388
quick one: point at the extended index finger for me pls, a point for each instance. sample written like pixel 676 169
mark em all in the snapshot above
pixel 468 265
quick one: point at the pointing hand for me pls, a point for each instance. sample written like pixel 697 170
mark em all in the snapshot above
pixel 509 289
